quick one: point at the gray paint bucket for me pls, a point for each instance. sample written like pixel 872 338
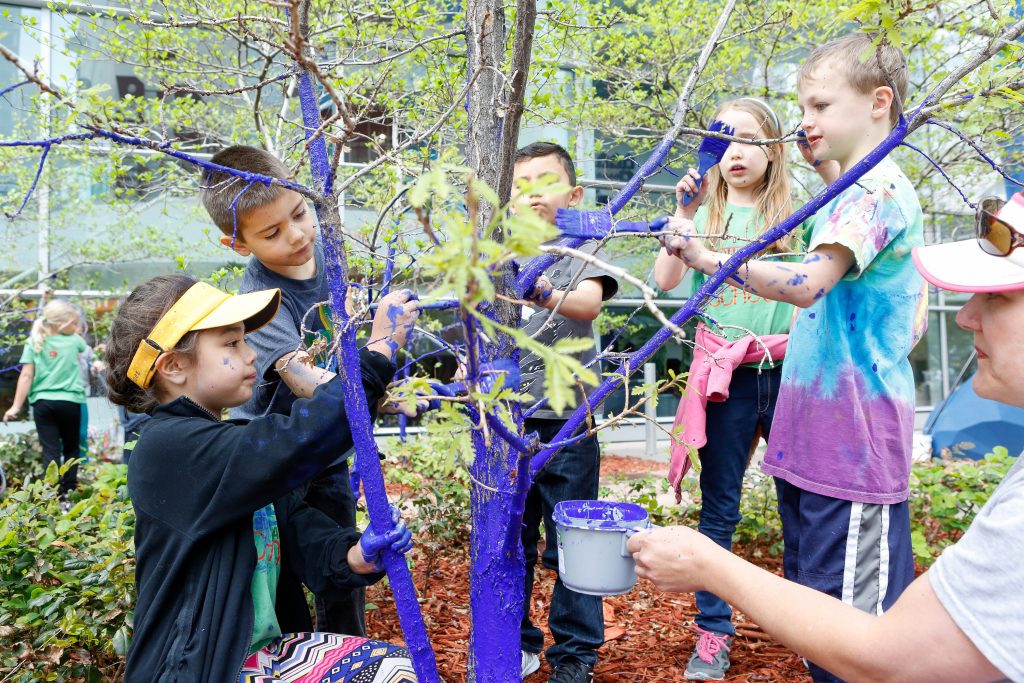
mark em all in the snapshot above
pixel 592 534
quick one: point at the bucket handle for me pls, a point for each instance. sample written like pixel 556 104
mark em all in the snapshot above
pixel 629 532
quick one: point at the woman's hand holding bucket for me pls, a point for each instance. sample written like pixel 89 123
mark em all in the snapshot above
pixel 674 558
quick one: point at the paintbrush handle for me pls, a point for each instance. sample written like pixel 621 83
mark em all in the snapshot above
pixel 439 305
pixel 704 163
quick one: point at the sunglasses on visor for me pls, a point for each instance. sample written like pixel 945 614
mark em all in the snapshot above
pixel 995 236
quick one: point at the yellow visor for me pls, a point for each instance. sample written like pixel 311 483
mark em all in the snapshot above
pixel 202 307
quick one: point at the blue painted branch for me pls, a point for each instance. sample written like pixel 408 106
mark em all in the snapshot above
pixel 939 169
pixel 356 408
pixel 32 188
pixel 973 145
pixel 48 141
pixel 165 148
pixel 725 271
pixel 11 88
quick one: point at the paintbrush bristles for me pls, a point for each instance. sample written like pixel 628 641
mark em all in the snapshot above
pixel 583 224
pixel 710 153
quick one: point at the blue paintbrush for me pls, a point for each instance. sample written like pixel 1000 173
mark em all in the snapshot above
pixel 597 224
pixel 593 229
pixel 709 154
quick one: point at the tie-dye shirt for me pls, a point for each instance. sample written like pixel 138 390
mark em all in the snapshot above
pixel 844 421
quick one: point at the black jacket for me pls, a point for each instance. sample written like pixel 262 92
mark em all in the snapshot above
pixel 195 482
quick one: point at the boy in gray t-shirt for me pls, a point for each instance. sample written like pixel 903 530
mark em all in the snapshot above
pixel 275 226
pixel 577 290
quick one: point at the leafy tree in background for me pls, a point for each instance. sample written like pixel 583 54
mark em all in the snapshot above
pixel 428 97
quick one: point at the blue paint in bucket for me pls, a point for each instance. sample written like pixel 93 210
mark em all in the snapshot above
pixel 592 534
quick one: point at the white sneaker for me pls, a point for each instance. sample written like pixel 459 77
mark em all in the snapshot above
pixel 531 663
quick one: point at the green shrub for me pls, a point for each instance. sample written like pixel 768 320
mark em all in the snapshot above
pixel 436 482
pixel 20 458
pixel 946 494
pixel 66 578
pixel 759 528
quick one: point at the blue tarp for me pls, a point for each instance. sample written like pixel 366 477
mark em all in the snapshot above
pixel 965 425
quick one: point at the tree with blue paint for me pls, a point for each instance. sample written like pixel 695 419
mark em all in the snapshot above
pixel 468 244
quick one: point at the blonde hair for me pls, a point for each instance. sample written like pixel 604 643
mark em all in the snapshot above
pixel 55 315
pixel 865 67
pixel 774 200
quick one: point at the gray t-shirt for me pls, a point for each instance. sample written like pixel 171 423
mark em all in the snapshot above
pixel 980 579
pixel 281 335
pixel 561 274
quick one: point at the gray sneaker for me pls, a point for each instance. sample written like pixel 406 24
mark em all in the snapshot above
pixel 531 663
pixel 710 659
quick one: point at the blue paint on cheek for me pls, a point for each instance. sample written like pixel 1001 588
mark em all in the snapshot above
pixel 226 361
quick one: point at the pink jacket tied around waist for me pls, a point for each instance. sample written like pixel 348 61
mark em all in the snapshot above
pixel 714 360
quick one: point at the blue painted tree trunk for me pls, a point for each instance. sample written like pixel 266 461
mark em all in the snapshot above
pixel 356 408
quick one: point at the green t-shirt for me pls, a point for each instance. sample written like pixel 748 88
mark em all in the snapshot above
pixel 267 537
pixel 57 373
pixel 733 306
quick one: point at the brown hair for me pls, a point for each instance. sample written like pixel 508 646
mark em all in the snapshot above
pixel 218 190
pixel 544 149
pixel 864 66
pixel 774 200
pixel 135 320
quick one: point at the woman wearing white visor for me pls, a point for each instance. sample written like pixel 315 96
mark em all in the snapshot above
pixel 963 620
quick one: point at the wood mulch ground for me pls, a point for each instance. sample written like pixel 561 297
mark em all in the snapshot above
pixel 646 631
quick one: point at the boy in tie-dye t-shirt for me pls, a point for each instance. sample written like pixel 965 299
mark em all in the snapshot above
pixel 844 422
pixel 841 435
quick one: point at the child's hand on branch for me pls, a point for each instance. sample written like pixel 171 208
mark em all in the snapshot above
pixel 404 405
pixel 680 240
pixel 826 168
pixel 540 293
pixel 688 185
pixel 371 545
pixel 395 319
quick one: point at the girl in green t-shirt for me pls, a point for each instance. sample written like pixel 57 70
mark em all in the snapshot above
pixel 51 380
pixel 747 192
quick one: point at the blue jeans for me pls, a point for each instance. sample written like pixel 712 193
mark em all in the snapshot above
pixel 576 620
pixel 330 492
pixel 730 428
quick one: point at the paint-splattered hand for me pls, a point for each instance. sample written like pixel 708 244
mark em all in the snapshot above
pixel 679 239
pixel 398 538
pixel 540 293
pixel 410 406
pixel 688 185
pixel 395 319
